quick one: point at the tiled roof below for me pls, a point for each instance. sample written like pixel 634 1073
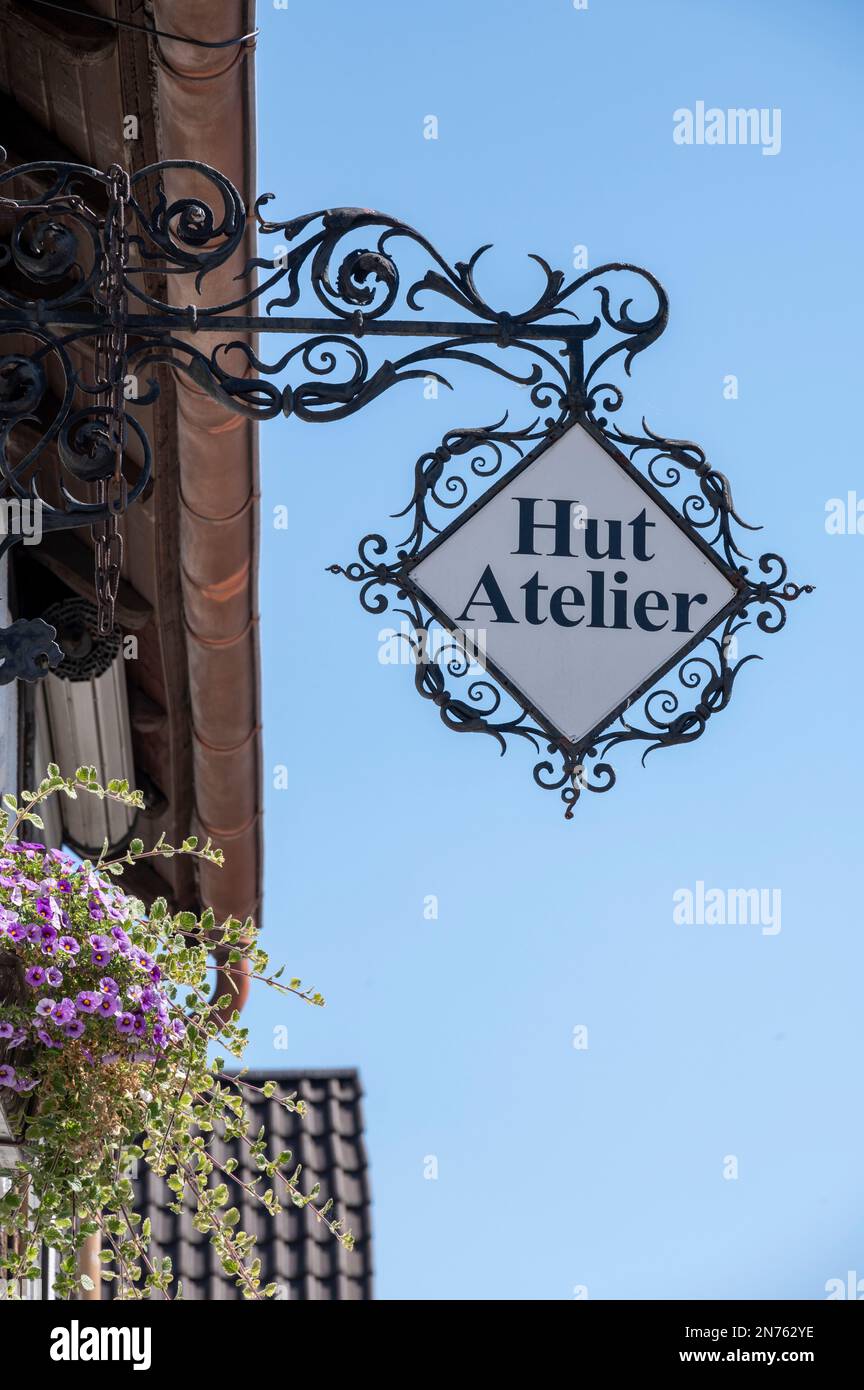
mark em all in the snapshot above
pixel 297 1252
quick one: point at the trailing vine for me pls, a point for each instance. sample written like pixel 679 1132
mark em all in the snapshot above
pixel 109 1043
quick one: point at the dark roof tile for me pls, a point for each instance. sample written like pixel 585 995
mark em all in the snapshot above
pixel 297 1252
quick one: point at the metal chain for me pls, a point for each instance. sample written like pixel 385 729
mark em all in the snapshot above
pixel 110 364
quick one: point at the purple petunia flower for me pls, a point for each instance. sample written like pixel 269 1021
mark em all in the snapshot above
pixel 46 1038
pixel 64 1012
pixel 47 934
pixel 178 1027
pixel 6 1030
pixel 17 1039
pixel 125 1023
pixel 108 1005
pixel 156 974
pixel 53 976
pixel 109 986
pixel 140 1025
pixel 100 957
pixel 46 1007
pixel 21 1086
pixel 74 1028
pixel 87 1003
pixel 69 945
pixel 102 943
pixel 17 931
pixel 7 1076
pixel 134 992
pixel 34 975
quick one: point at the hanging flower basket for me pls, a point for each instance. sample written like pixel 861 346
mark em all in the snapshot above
pixel 107 1027
pixel 84 1011
pixel 15 1105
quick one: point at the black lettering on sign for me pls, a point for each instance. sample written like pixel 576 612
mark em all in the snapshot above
pixel 608 602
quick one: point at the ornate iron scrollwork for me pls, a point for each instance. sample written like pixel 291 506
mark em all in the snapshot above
pixel 61 245
pixel 62 410
pixel 83 276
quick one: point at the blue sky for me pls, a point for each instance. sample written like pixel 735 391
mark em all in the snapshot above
pixel 559 1167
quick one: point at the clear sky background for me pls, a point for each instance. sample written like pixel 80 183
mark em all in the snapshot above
pixel 560 1167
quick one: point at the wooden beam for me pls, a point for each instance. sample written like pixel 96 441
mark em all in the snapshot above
pixel 71 561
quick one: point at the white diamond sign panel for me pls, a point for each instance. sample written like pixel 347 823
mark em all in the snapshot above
pixel 577 585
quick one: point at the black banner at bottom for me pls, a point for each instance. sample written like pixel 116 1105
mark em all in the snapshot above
pixel 649 1336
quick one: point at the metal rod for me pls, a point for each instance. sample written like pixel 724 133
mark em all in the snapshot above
pixel 357 326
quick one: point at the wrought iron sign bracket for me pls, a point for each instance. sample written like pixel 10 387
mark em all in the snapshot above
pixel 80 321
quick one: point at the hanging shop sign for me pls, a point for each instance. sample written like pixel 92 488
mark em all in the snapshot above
pixel 604 599
pixel 570 591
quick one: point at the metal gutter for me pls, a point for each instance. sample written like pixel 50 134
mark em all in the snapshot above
pixel 206 110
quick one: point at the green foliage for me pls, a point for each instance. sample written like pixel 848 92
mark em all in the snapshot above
pixel 91 1123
